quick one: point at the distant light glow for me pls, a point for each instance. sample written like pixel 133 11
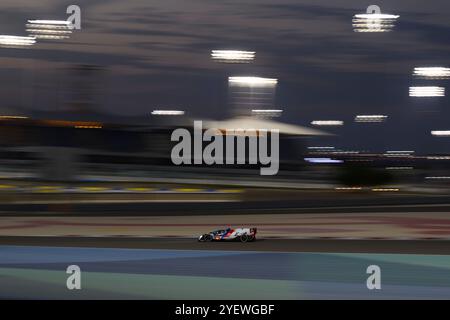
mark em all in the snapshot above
pixel 399 153
pixel 385 189
pixel 438 178
pixel 167 112
pixel 399 168
pixel 432 72
pixel 374 22
pixel 327 123
pixel 427 91
pixel 48 32
pixel 441 133
pixel 348 188
pixel 376 16
pixel 321 148
pixel 370 118
pixel 323 160
pixel 267 112
pixel 253 81
pixel 16 41
pixel 233 56
pixel 50 22
pixel 49 29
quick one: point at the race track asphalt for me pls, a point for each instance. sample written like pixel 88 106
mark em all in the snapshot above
pixel 39 272
pixel 435 247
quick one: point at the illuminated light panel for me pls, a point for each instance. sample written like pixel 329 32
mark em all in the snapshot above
pixel 427 92
pixel 321 148
pixel 16 41
pixel 51 37
pixel 370 118
pixel 348 188
pixel 50 22
pixel 385 190
pixel 376 16
pixel 323 160
pixel 167 112
pixel 267 112
pixel 441 133
pixel 438 178
pixel 432 72
pixel 253 81
pixel 399 168
pixel 374 22
pixel 327 123
pixel 49 29
pixel 399 153
pixel 233 56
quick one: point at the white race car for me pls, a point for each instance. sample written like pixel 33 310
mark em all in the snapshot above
pixel 229 234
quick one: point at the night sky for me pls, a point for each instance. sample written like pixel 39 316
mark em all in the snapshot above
pixel 157 55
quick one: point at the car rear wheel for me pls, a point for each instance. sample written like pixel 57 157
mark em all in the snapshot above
pixel 205 238
pixel 244 238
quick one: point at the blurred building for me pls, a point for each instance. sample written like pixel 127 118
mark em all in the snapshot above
pixel 64 149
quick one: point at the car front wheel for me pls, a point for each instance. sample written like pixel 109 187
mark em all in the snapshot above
pixel 244 238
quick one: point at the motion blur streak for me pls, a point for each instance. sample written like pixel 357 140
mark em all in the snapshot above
pixel 49 29
pixel 253 81
pixel 441 133
pixel 374 22
pixel 233 56
pixel 432 72
pixel 426 91
pixel 327 123
pixel 16 41
pixel 167 113
pixel 271 113
pixel 370 118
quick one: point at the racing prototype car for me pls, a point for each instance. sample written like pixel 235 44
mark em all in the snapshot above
pixel 229 234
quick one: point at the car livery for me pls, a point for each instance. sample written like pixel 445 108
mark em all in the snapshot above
pixel 229 234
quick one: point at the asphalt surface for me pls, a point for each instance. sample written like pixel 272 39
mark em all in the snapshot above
pixel 40 272
pixel 435 247
pixel 181 268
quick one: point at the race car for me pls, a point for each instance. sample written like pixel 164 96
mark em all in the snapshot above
pixel 229 234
